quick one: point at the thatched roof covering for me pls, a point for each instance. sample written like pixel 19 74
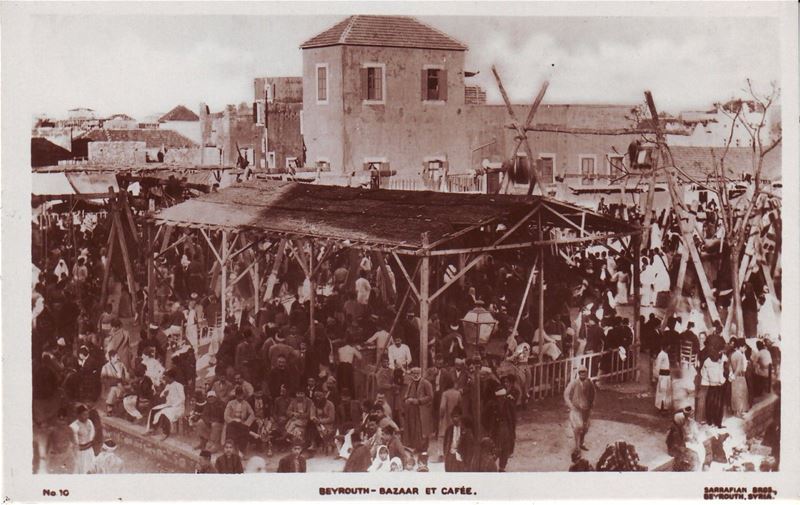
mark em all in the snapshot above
pixel 386 218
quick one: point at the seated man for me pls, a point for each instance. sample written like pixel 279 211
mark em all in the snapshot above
pixel 139 396
pixel 298 414
pixel 172 408
pixel 115 377
pixel 239 416
pixel 208 421
pixel 323 415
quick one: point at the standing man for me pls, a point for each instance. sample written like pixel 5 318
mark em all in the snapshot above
pixel 501 425
pixel 419 421
pixel 663 377
pixel 579 397
pixel 84 431
pixel 399 354
pixel 457 445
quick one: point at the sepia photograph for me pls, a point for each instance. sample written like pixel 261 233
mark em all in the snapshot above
pixel 404 240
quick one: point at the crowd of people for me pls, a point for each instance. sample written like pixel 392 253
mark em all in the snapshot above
pixel 351 388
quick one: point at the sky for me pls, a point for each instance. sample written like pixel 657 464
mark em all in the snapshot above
pixel 142 65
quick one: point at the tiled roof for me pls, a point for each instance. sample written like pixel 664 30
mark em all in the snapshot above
pixel 179 113
pixel 384 31
pixel 152 138
pixel 699 162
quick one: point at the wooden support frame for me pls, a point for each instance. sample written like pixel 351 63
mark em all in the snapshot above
pixel 276 265
pixel 424 305
pixel 409 279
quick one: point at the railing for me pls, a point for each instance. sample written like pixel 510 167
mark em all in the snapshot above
pixel 459 183
pixel 550 378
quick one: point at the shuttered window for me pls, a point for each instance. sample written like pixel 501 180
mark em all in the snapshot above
pixel 434 84
pixel 322 83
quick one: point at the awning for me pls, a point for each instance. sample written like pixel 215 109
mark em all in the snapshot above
pixel 93 183
pixel 51 184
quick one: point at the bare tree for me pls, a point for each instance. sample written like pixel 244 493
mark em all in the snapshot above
pixel 740 215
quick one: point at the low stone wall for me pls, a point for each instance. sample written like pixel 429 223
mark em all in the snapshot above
pixel 170 452
pixel 754 423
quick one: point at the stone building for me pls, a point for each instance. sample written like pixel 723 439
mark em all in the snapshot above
pixel 278 116
pixel 395 91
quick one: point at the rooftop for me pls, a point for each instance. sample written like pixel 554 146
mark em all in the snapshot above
pixel 384 31
pixel 179 113
pixel 152 138
pixel 387 218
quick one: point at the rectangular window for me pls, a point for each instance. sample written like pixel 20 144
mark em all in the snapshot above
pixel 616 164
pixel 373 83
pixel 291 162
pixel 322 83
pixel 434 83
pixel 546 164
pixel 587 169
pixel 271 159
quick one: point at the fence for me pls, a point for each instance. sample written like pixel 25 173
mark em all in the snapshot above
pixel 459 183
pixel 550 378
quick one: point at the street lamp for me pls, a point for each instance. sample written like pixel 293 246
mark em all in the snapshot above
pixel 478 325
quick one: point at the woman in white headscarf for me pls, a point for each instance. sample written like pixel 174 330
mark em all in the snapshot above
pixel 396 465
pixel 61 268
pixel 381 461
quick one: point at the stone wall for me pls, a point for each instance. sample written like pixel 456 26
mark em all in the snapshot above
pixel 117 153
pixel 183 156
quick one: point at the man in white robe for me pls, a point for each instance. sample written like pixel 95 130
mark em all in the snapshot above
pixel 171 410
pixel 663 377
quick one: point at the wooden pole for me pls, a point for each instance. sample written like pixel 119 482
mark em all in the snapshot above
pixel 223 282
pixel 541 293
pixel 126 259
pixel 524 298
pixel 313 295
pixel 636 242
pixel 151 296
pixel 276 265
pixel 112 235
pixel 424 304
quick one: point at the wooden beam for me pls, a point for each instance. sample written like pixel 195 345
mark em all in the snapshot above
pixel 276 264
pixel 174 245
pixel 554 128
pixel 424 305
pixel 166 237
pixel 587 238
pixel 636 244
pixel 470 250
pixel 126 260
pixel 223 282
pixel 151 296
pixel 220 259
pixel 387 280
pixel 126 208
pixel 112 236
pixel 409 278
pixel 461 232
pixel 525 296
pixel 541 294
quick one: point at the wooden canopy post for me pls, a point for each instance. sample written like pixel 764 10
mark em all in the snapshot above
pixel 312 298
pixel 541 292
pixel 112 236
pixel 424 303
pixel 223 282
pixel 525 295
pixel 276 265
pixel 678 206
pixel 636 243
pixel 151 297
pixel 123 245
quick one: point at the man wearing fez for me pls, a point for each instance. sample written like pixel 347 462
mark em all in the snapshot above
pixel 418 406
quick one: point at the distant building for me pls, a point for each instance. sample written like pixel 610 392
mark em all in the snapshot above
pixel 278 114
pixel 391 90
pixel 184 121
pixel 120 122
pixel 136 147
pixel 229 134
pixel 45 153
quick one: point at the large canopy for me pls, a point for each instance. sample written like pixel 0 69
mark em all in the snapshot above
pixel 383 218
pixel 63 185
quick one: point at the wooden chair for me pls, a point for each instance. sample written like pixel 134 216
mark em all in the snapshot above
pixel 688 358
